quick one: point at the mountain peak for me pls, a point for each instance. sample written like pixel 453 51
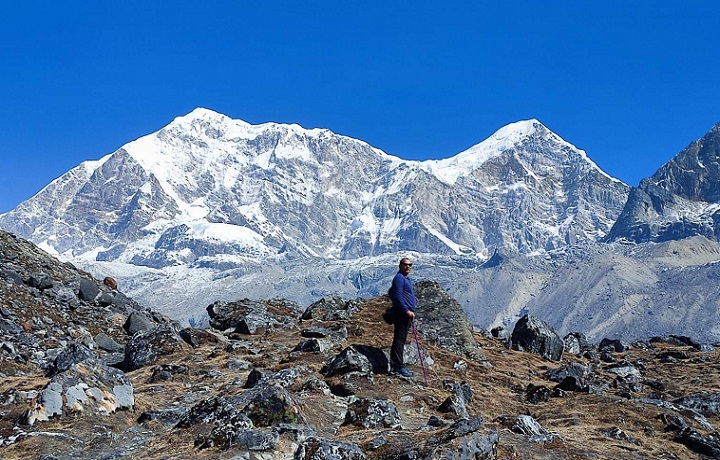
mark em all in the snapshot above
pixel 519 130
pixel 505 138
pixel 201 114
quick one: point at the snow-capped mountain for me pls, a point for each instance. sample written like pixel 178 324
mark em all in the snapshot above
pixel 682 199
pixel 226 208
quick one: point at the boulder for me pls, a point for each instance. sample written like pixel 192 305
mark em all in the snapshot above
pixel 463 439
pixel 250 317
pixel 321 449
pixel 138 321
pixel 196 337
pixel 334 331
pixel 703 445
pixel 331 308
pixel 88 388
pixel 348 360
pixel 528 426
pixel 107 343
pixel 40 281
pixel 310 346
pixel 441 320
pixel 576 343
pixel 145 347
pixel 456 403
pixel 88 290
pixel 705 403
pixel 533 335
pixel 537 393
pixel 572 377
pixel 72 354
pixel 372 413
pixel 615 345
pixel 165 372
pixel 272 405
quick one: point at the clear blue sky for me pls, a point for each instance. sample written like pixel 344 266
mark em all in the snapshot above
pixel 630 82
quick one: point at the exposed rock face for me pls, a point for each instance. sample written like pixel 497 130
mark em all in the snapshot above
pixel 680 200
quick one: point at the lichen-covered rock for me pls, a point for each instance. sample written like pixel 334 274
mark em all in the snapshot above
pixel 372 413
pixel 88 388
pixel 271 406
pixel 323 449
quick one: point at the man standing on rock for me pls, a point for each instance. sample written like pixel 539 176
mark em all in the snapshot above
pixel 403 300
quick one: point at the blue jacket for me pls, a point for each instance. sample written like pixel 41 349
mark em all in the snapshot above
pixel 402 295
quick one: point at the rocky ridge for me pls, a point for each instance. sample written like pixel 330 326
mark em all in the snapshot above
pixel 98 376
pixel 681 200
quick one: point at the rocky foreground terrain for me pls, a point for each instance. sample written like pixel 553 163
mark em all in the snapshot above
pixel 87 373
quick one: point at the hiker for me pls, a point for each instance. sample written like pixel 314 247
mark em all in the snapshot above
pixel 403 300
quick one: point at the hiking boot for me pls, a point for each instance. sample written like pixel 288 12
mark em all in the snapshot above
pixel 405 372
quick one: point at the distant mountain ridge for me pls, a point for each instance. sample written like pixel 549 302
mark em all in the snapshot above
pixel 207 185
pixel 682 199
pixel 223 209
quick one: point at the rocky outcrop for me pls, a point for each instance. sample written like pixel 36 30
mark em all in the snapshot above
pixel 679 200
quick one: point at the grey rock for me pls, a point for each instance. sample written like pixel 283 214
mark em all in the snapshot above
pixel 615 345
pixel 107 343
pixel 72 354
pixel 576 343
pixel 88 387
pixel 330 308
pixel 442 321
pixel 196 337
pixel 12 276
pixel 698 443
pixel 168 416
pixel 627 371
pixel 138 321
pixel 535 336
pixel 322 449
pixel 348 360
pixel 705 403
pixel 528 426
pixel 309 346
pixel 145 347
pixel 40 281
pixel 166 372
pixel 336 332
pixel 456 403
pixel 88 290
pixel 372 413
pixel 272 405
pixel 251 317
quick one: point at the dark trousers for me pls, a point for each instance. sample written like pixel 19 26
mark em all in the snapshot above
pixel 401 324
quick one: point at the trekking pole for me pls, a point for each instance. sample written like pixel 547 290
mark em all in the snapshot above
pixel 420 354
